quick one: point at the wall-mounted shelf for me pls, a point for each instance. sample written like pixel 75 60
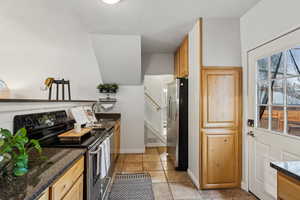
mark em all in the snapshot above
pixel 44 101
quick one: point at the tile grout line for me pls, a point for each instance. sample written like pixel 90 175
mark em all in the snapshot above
pixel 172 196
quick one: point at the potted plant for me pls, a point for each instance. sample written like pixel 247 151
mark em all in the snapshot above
pixel 108 88
pixel 114 88
pixel 102 88
pixel 15 149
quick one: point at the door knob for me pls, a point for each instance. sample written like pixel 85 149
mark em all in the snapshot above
pixel 250 133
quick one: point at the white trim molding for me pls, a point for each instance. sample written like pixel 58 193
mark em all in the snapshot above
pixel 194 179
pixel 244 186
pixel 155 145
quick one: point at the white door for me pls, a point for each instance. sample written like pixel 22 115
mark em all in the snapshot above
pixel 274 104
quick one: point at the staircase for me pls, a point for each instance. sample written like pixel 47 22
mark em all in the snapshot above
pixel 153 135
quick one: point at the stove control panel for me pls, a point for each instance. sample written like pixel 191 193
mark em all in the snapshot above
pixel 41 124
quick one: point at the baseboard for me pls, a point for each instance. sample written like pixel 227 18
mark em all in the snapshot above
pixel 130 151
pixel 194 179
pixel 244 186
pixel 155 145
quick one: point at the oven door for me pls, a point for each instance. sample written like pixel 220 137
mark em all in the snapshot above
pixel 94 173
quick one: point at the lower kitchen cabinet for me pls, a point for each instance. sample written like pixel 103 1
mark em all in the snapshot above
pixel 64 184
pixel 117 139
pixel 76 192
pixel 45 195
pixel 69 186
pixel 220 167
pixel 288 188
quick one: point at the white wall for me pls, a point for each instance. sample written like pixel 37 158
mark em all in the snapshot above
pixel 9 110
pixel 41 39
pixel 221 42
pixel 131 106
pixel 268 20
pixel 158 64
pixel 194 104
pixel 119 58
pixel 264 22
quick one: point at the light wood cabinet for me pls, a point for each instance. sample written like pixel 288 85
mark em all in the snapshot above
pixel 288 188
pixel 221 127
pixel 177 64
pixel 220 159
pixel 63 185
pixel 69 186
pixel 44 195
pixel 76 192
pixel 117 139
pixel 184 58
pixel 181 60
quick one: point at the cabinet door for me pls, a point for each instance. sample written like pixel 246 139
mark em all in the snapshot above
pixel 64 183
pixel 287 187
pixel 45 195
pixel 221 98
pixel 117 139
pixel 184 58
pixel 221 127
pixel 220 155
pixel 177 64
pixel 76 192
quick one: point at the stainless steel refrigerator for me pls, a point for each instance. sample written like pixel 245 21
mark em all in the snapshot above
pixel 177 123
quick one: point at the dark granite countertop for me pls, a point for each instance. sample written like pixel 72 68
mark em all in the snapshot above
pixel 41 175
pixel 289 168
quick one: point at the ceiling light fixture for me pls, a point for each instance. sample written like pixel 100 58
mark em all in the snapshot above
pixel 111 1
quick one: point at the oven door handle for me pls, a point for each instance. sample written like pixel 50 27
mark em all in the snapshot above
pixel 97 151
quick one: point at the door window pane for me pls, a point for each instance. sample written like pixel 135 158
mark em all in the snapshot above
pixel 293 121
pixel 293 62
pixel 277 92
pixel 277 65
pixel 263 117
pixel 277 119
pixel 262 66
pixel 263 92
pixel 293 91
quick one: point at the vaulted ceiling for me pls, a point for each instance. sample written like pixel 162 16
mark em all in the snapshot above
pixel 161 23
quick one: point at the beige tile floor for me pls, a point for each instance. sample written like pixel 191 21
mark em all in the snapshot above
pixel 169 184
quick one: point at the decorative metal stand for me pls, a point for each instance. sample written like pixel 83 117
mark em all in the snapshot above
pixel 62 83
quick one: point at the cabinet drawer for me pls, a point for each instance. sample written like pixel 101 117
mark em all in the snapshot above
pixel 288 188
pixel 76 192
pixel 63 185
pixel 44 195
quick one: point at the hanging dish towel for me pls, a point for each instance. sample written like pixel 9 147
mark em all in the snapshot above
pixel 105 158
pixel 107 141
pixel 102 163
